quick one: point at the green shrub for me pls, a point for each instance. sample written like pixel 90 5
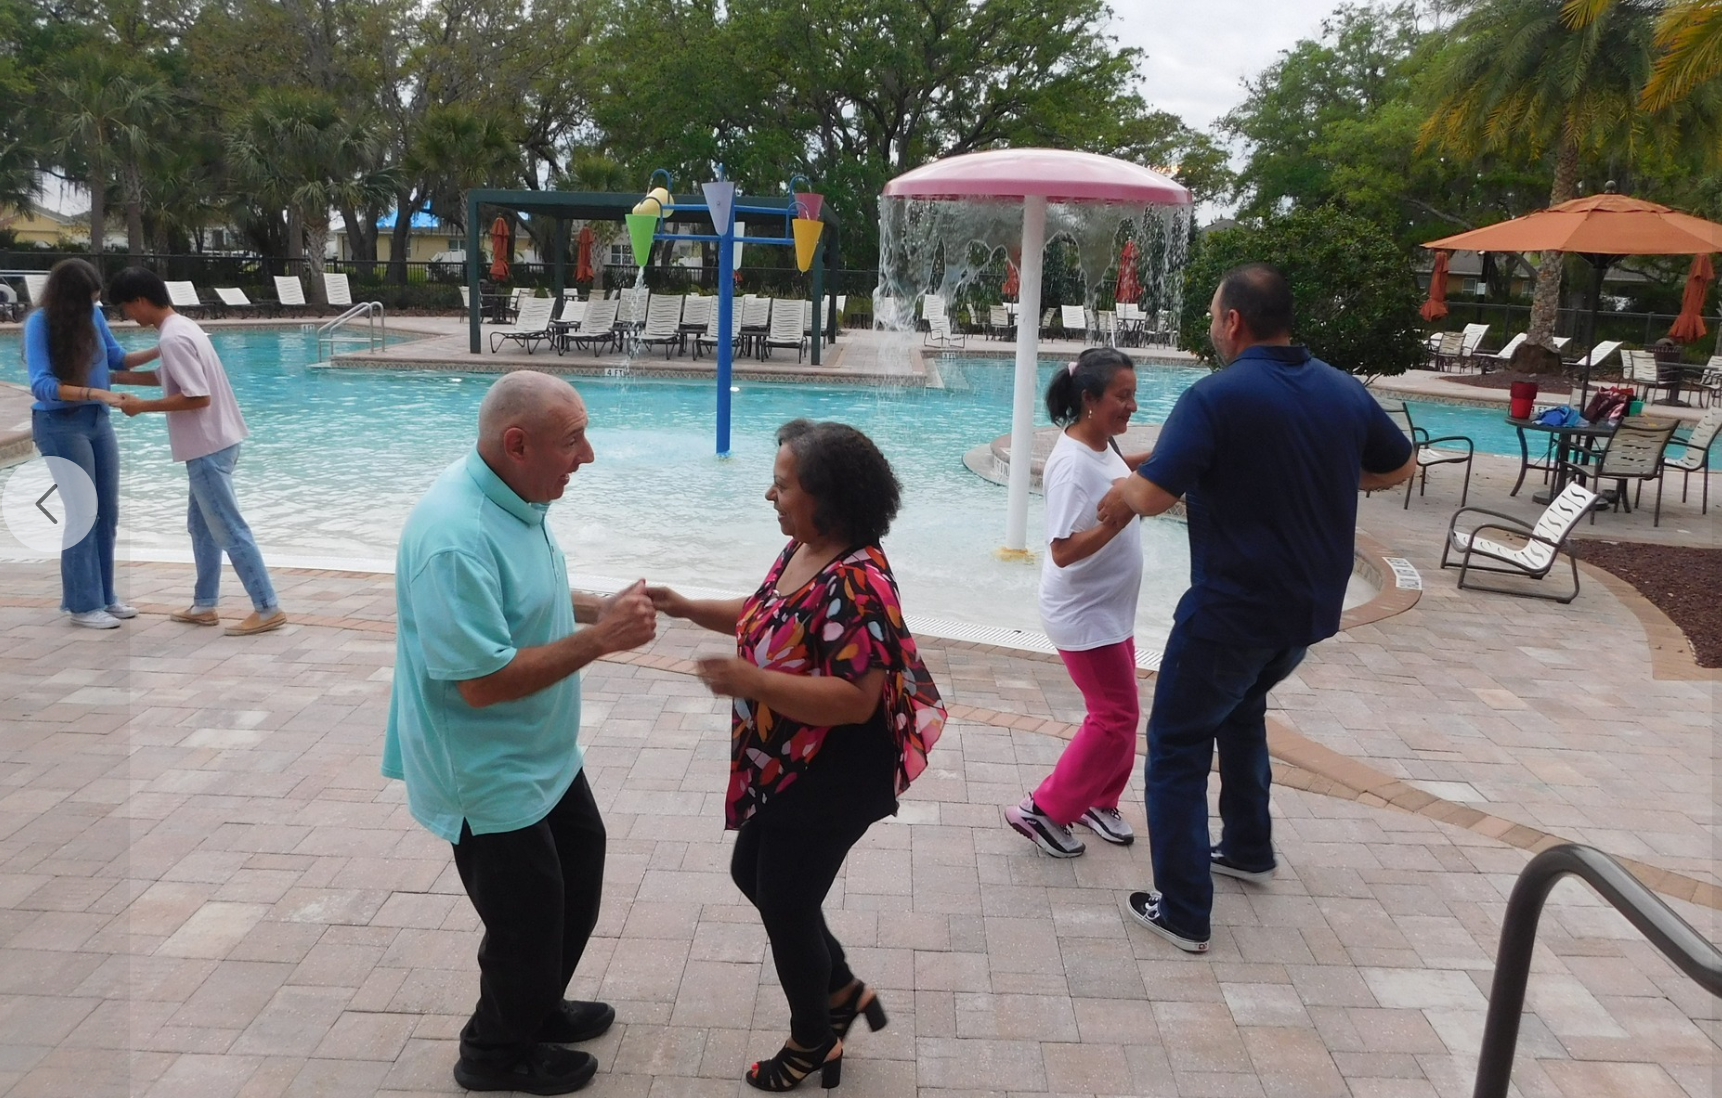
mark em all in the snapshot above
pixel 1354 294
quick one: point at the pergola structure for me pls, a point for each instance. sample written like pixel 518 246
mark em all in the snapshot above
pixel 565 207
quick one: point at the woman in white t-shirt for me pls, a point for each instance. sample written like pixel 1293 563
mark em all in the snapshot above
pixel 1088 589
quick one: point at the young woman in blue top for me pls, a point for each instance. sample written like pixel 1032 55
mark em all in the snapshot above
pixel 73 360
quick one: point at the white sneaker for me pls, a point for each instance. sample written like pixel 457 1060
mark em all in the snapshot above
pixel 1054 838
pixel 1109 825
pixel 121 610
pixel 96 619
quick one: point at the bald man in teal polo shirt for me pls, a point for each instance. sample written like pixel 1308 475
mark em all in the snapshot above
pixel 484 720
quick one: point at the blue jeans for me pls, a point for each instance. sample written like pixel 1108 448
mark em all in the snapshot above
pixel 216 527
pixel 83 436
pixel 1208 693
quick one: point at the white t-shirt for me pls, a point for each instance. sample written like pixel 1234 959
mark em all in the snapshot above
pixel 1093 601
pixel 189 365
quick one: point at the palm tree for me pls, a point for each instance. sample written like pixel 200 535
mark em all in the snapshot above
pixel 453 150
pixel 106 112
pixel 1689 36
pixel 299 152
pixel 1516 78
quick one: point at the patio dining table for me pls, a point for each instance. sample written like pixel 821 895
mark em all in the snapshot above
pixel 1570 444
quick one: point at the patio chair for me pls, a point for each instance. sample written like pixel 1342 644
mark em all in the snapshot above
pixel 785 329
pixel 1073 318
pixel 183 297
pixel 1446 349
pixel 709 337
pixel 663 323
pixel 1473 339
pixel 1049 322
pixel 754 322
pixel 1640 370
pixel 1106 323
pixel 1695 458
pixel 697 311
pixel 531 325
pixel 569 313
pixel 598 326
pixel 232 297
pixel 998 323
pixel 290 294
pixel 1709 384
pixel 631 310
pixel 34 284
pixel 337 290
pixel 1533 552
pixel 1634 452
pixel 1433 451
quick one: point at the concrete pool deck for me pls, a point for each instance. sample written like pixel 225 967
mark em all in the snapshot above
pixel 206 888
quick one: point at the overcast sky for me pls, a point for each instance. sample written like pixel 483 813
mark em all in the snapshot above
pixel 1199 52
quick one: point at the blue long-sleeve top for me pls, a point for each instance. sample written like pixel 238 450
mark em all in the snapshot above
pixel 43 384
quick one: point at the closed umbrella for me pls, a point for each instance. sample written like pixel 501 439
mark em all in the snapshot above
pixel 1689 325
pixel 1128 288
pixel 1436 307
pixel 499 250
pixel 1012 283
pixel 583 257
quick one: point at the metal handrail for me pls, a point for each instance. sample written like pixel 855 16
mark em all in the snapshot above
pixel 376 327
pixel 1667 931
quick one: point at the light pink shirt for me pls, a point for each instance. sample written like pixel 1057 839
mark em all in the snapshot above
pixel 190 366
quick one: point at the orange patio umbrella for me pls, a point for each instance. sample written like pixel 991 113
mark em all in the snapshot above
pixel 1598 227
pixel 583 256
pixel 1436 307
pixel 1689 325
pixel 499 250
pixel 1129 289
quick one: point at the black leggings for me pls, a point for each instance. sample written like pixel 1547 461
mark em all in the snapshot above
pixel 785 872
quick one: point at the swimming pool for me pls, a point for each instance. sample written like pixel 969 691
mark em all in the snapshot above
pixel 337 457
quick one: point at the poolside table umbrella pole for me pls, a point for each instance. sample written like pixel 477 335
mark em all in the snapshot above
pixel 1034 177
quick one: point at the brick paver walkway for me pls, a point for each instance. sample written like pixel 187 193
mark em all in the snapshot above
pixel 207 889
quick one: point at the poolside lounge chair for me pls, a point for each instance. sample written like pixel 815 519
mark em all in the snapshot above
pixel 1433 451
pixel 663 323
pixel 183 297
pixel 1709 382
pixel 570 311
pixel 598 326
pixel 337 290
pixel 753 322
pixel 232 297
pixel 697 312
pixel 1446 349
pixel 1073 319
pixel 1500 359
pixel 1696 456
pixel 290 294
pixel 1532 554
pixel 34 284
pixel 631 307
pixel 785 330
pixel 1598 354
pixel 531 326
pixel 939 332
pixel 1473 340
pixel 1634 452
pixel 1641 370
pixel 998 323
pixel 709 337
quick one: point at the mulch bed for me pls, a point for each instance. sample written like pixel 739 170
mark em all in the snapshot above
pixel 1684 583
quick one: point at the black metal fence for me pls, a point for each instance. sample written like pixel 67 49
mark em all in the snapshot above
pixel 1633 329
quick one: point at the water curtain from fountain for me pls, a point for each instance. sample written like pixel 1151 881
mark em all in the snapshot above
pixel 944 223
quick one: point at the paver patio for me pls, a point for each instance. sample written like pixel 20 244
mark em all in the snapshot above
pixel 207 889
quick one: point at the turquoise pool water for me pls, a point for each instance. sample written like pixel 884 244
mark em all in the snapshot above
pixel 337 458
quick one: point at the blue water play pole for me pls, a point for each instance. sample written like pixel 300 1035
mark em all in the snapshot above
pixel 726 330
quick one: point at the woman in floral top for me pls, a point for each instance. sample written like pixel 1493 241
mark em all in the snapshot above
pixel 834 715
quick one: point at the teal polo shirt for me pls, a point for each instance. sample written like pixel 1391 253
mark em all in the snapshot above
pixel 478 576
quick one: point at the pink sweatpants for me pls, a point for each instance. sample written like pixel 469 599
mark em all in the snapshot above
pixel 1094 769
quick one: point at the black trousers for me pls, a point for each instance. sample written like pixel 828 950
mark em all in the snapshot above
pixel 785 871
pixel 537 891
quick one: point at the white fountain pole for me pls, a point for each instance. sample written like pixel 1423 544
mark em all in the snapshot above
pixel 1027 376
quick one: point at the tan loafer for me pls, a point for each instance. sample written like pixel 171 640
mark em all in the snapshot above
pixel 193 616
pixel 256 623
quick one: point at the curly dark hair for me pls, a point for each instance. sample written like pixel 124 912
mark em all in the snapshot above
pixel 69 311
pixel 856 492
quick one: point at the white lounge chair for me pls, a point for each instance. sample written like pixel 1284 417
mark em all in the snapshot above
pixel 1695 458
pixel 1709 382
pixel 754 322
pixel 183 297
pixel 598 326
pixel 1502 357
pixel 290 293
pixel 1473 338
pixel 1599 354
pixel 938 318
pixel 337 290
pixel 709 337
pixel 663 323
pixel 631 312
pixel 232 297
pixel 1073 318
pixel 785 329
pixel 1532 552
pixel 531 325
pixel 34 285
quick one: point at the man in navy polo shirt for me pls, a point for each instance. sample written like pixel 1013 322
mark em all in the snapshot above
pixel 1268 455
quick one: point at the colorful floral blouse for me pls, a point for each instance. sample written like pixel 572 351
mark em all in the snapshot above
pixel 846 621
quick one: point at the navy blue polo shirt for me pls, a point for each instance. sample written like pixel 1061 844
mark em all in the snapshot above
pixel 1267 454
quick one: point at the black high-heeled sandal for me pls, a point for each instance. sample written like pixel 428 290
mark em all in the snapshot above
pixel 790 1066
pixel 843 1014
